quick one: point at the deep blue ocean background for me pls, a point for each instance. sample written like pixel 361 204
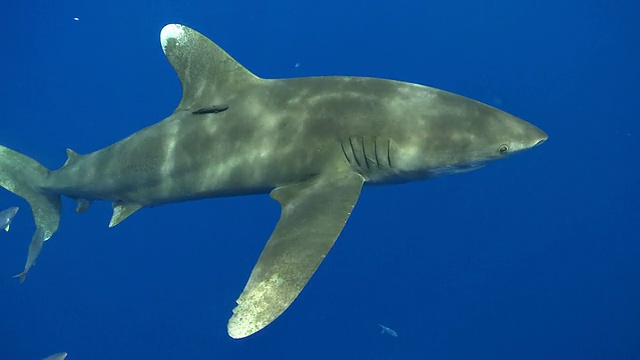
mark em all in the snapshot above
pixel 534 257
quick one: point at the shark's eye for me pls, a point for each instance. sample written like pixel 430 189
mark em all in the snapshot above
pixel 503 149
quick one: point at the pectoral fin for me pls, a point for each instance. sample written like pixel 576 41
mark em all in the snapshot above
pixel 312 216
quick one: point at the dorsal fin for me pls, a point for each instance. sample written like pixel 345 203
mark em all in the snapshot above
pixel 207 73
pixel 72 157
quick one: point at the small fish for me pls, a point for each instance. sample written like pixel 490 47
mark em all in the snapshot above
pixel 6 216
pixel 389 331
pixel 34 251
pixel 58 356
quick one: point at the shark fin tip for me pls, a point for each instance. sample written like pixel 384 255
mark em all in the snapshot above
pixel 22 276
pixel 170 31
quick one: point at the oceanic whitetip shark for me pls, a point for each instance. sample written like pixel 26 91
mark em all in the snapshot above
pixel 312 143
pixel 58 356
pixel 6 216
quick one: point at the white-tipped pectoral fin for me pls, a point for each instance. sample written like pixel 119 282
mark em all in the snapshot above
pixel 312 216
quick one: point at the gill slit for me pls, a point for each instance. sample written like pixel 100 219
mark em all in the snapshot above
pixel 345 153
pixel 375 151
pixel 364 153
pixel 389 153
pixel 353 151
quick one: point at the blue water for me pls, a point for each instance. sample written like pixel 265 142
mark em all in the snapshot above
pixel 534 257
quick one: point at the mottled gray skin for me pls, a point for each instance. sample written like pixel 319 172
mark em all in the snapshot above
pixel 280 132
pixel 311 142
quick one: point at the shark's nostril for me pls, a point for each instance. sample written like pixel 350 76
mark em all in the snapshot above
pixel 540 142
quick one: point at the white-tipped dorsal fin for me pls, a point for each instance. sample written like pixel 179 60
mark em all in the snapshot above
pixel 207 73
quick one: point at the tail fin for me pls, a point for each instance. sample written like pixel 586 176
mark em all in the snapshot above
pixel 24 177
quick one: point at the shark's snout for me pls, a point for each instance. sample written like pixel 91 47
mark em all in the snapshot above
pixel 541 136
pixel 534 135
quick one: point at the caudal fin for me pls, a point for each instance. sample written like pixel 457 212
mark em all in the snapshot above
pixel 24 177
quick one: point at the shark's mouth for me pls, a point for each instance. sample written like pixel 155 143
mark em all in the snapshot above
pixel 456 169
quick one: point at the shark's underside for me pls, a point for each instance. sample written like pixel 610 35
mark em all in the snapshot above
pixel 311 142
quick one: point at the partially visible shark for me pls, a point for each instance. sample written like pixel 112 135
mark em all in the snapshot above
pixel 58 356
pixel 312 143
pixel 387 330
pixel 6 216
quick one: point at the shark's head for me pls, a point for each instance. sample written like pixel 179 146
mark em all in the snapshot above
pixel 453 134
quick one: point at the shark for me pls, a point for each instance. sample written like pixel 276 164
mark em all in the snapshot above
pixel 312 143
pixel 387 330
pixel 6 216
pixel 58 356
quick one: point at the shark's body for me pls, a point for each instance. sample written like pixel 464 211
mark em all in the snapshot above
pixel 311 142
